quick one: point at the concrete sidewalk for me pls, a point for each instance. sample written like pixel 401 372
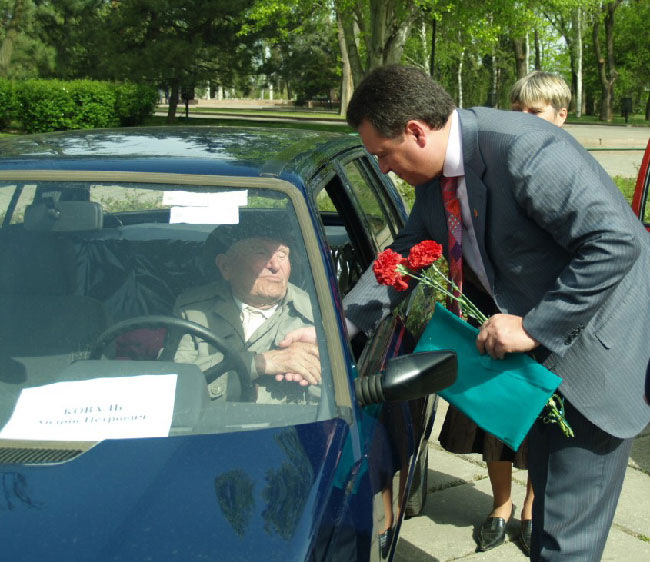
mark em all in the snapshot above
pixel 460 498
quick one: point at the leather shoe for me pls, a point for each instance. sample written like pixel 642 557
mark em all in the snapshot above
pixel 526 534
pixel 492 533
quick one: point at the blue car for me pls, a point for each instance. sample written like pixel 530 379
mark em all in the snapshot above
pixel 114 445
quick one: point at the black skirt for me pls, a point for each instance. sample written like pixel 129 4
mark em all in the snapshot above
pixel 461 435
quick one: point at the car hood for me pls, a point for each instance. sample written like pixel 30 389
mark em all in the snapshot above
pixel 238 496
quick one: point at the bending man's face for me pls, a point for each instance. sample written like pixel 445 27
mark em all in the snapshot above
pixel 257 269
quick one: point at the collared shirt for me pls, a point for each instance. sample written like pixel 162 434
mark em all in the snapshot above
pixel 454 167
pixel 252 318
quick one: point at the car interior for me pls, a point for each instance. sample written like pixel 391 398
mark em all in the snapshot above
pixel 72 267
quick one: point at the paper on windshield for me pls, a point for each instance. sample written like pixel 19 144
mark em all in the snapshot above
pixel 93 410
pixel 191 207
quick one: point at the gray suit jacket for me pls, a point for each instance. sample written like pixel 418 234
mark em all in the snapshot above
pixel 561 248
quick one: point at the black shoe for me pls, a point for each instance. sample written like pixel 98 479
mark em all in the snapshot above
pixel 492 533
pixel 526 534
pixel 384 541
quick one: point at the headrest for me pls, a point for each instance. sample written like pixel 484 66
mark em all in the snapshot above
pixel 36 263
pixel 64 216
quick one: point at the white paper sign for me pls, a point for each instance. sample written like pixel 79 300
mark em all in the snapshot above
pixel 92 410
pixel 224 214
pixel 192 207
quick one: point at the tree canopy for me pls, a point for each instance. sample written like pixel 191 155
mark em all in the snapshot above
pixel 305 50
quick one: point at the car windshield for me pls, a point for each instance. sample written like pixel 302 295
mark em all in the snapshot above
pixel 144 310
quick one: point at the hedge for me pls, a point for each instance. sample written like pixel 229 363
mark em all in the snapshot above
pixel 7 103
pixel 54 105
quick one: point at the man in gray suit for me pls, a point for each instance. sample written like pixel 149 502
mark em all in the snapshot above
pixel 551 239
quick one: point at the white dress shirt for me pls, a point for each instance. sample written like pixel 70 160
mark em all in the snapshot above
pixel 453 167
pixel 252 318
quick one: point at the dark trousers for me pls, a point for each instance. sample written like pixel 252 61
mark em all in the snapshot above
pixel 577 482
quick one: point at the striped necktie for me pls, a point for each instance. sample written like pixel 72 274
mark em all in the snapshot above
pixel 455 237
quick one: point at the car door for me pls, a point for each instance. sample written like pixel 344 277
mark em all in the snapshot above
pixel 361 213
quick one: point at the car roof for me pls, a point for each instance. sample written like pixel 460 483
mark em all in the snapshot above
pixel 240 151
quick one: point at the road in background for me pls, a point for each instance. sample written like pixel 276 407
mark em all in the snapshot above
pixel 622 162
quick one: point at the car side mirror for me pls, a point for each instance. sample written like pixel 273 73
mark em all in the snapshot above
pixel 408 377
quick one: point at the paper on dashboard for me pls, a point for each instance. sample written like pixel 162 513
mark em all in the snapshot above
pixel 93 410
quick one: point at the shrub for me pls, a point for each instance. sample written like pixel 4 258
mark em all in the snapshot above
pixel 7 103
pixel 52 105
pixel 134 102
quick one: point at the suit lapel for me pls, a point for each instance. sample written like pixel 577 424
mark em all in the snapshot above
pixel 477 200
pixel 476 191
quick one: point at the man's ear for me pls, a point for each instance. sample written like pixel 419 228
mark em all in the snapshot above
pixel 417 131
pixel 561 116
pixel 223 265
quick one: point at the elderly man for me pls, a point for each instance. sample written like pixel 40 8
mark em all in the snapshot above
pixel 252 308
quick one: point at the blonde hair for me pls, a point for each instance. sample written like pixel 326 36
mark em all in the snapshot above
pixel 541 86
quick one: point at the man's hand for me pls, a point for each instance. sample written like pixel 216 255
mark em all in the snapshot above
pixel 306 335
pixel 504 333
pixel 297 362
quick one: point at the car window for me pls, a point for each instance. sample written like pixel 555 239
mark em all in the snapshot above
pixel 81 259
pixel 372 203
pixel 359 218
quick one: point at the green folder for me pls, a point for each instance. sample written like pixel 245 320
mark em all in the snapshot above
pixel 503 396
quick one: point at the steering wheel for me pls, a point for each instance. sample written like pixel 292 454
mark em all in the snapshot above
pixel 177 326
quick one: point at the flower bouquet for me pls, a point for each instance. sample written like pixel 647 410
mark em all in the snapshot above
pixel 503 396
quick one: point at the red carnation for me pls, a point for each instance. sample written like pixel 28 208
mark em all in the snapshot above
pixel 424 254
pixel 385 269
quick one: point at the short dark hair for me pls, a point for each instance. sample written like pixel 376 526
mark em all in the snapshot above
pixel 392 95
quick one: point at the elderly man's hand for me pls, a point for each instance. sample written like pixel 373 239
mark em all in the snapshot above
pixel 504 333
pixel 297 362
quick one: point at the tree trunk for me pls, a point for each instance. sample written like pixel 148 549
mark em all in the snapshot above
pixel 378 11
pixel 349 35
pixel 11 32
pixel 606 66
pixel 577 26
pixel 426 60
pixel 459 78
pixel 538 51
pixel 647 108
pixel 173 100
pixel 394 47
pixel 346 74
pixel 520 57
pixel 434 29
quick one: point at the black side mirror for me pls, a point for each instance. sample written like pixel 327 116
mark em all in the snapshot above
pixel 408 377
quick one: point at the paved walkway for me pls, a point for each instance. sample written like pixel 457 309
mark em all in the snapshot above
pixel 460 498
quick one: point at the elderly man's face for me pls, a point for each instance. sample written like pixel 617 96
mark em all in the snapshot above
pixel 257 269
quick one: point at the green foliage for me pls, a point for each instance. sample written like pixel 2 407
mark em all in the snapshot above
pixel 626 185
pixel 53 105
pixel 7 102
pixel 134 103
